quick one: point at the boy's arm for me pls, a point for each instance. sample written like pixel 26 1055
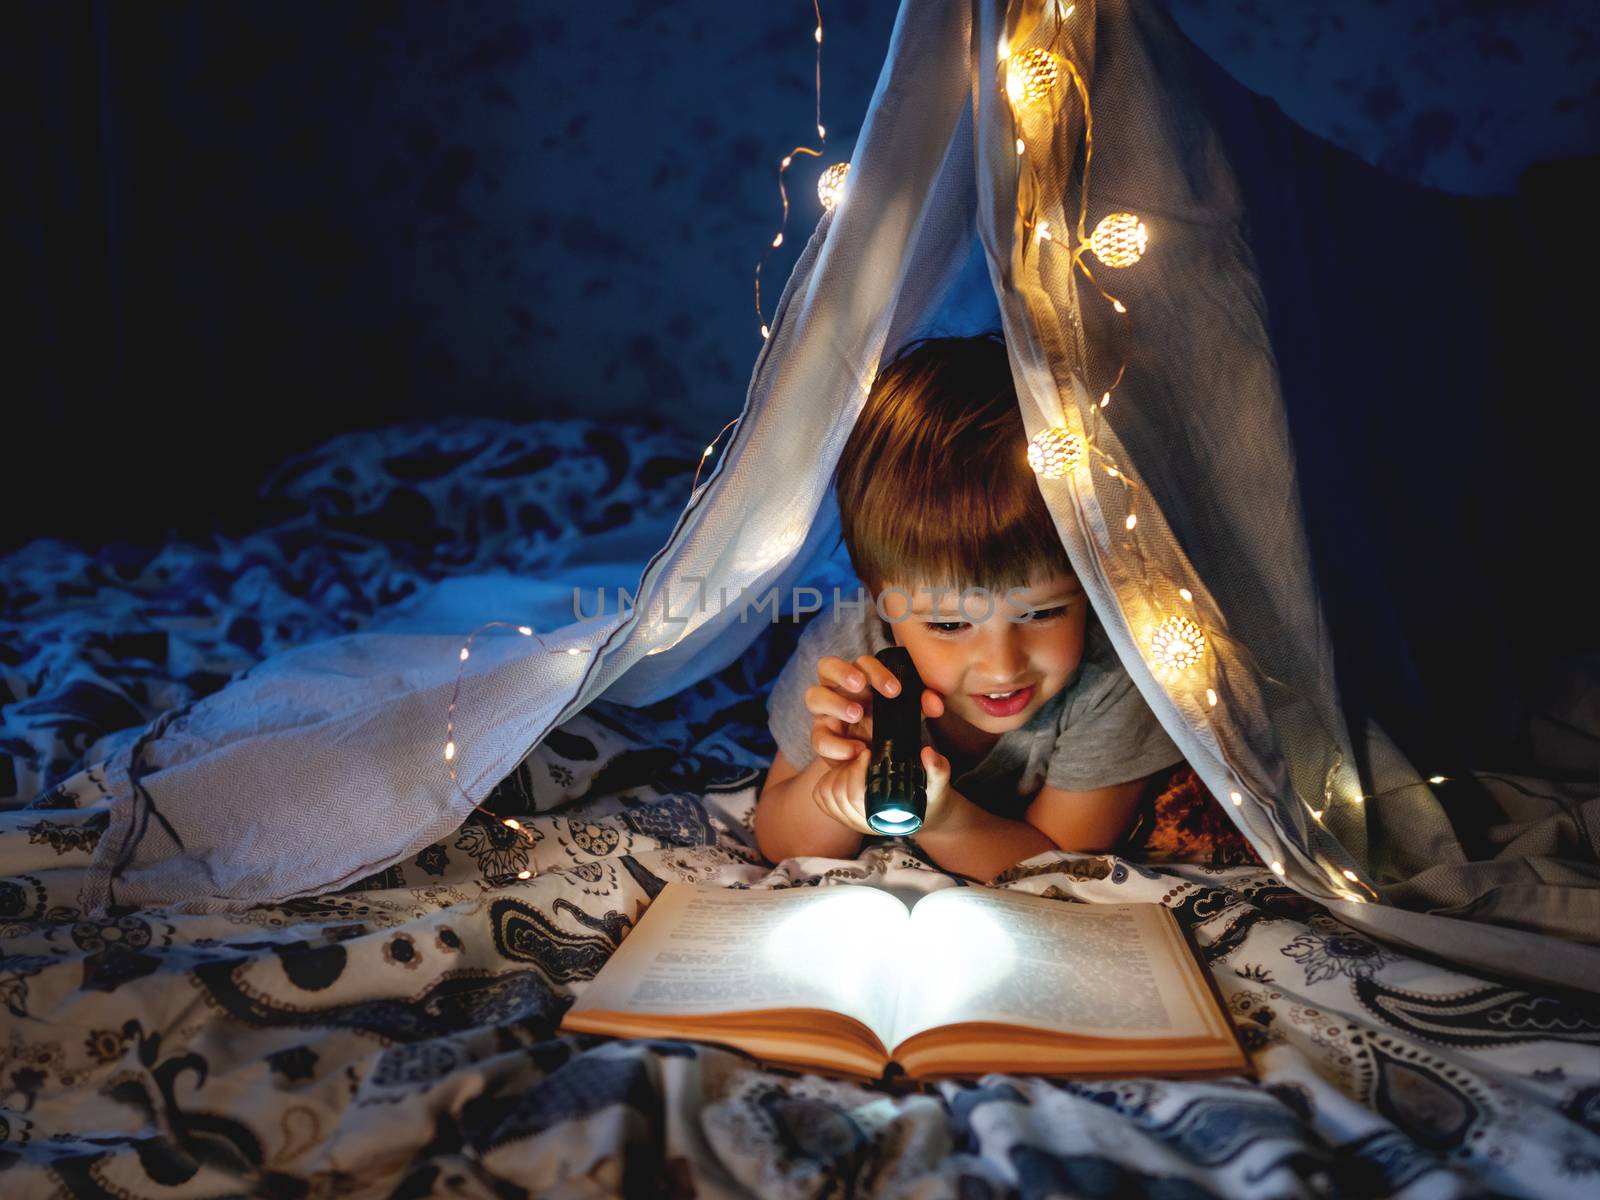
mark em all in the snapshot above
pixel 788 822
pixel 1089 822
pixel 974 842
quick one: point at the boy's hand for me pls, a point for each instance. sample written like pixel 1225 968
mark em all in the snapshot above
pixel 941 800
pixel 841 732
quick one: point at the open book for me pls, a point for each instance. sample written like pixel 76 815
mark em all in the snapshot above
pixel 847 979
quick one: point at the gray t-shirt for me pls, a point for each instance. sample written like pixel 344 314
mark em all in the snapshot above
pixel 1095 732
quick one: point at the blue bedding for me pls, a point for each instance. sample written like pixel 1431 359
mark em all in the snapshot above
pixel 398 1038
pixel 96 642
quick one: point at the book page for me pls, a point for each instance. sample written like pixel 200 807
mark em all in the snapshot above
pixel 1099 970
pixel 712 950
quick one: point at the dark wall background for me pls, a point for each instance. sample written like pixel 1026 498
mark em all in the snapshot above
pixel 241 227
pixel 233 230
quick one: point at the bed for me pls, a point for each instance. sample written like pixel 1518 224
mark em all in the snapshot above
pixel 398 1038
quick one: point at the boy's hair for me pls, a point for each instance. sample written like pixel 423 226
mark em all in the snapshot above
pixel 933 485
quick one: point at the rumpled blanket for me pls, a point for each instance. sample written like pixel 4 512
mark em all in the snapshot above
pixel 399 1038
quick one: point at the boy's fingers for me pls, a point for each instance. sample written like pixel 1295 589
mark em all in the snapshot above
pixel 837 793
pixel 825 702
pixel 844 749
pixel 856 796
pixel 832 744
pixel 841 812
pixel 841 674
pixel 883 679
pixel 932 703
pixel 830 803
pixel 821 724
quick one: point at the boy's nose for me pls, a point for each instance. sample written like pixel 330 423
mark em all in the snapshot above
pixel 1004 660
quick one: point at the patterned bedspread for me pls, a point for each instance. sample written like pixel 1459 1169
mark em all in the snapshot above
pixel 398 1038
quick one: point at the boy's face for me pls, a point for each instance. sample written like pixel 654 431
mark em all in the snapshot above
pixel 966 655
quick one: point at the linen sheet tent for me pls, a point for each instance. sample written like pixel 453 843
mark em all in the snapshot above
pixel 324 764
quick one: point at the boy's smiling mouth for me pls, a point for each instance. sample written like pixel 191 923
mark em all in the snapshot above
pixel 1004 704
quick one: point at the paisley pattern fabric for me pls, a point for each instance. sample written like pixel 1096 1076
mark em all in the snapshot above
pixel 95 642
pixel 398 1038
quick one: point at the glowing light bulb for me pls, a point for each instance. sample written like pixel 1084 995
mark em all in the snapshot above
pixel 1351 876
pixel 1105 400
pixel 1186 594
pixel 463 654
pixel 1119 240
pixel 1211 697
pixel 765 332
pixel 511 823
pixel 1437 779
pixel 1178 644
pixel 819 35
pixel 821 132
pixel 524 874
pixel 1031 75
pixel 830 185
pixel 525 630
pixel 777 241
pixel 1119 306
pixel 574 649
pixel 1316 814
pixel 1054 451
pixel 1236 798
pixel 787 160
pixel 449 751
pixel 1021 148
pixel 1277 867
pixel 1042 231
pixel 1131 521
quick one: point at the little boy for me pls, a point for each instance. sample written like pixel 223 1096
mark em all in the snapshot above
pixel 1034 736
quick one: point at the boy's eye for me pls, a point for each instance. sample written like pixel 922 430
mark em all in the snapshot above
pixel 1046 614
pixel 1034 616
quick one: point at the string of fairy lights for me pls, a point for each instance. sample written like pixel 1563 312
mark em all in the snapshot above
pixel 830 192
pixel 1178 645
pixel 829 187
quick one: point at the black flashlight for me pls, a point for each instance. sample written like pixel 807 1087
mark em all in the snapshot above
pixel 897 786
